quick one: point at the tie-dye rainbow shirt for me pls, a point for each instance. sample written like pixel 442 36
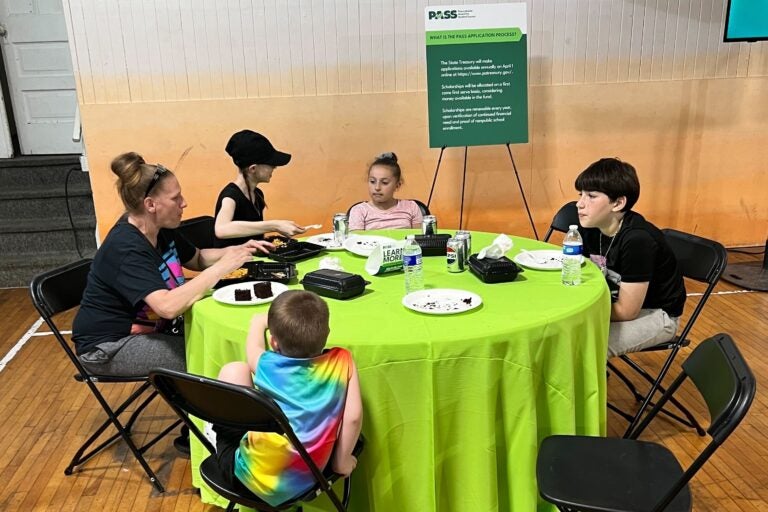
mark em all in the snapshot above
pixel 311 393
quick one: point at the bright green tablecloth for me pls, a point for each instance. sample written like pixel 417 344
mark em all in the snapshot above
pixel 455 406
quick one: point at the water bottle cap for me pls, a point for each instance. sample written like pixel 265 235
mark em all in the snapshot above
pixel 411 237
pixel 573 226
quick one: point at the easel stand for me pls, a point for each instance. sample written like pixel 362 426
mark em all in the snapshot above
pixel 750 275
pixel 464 181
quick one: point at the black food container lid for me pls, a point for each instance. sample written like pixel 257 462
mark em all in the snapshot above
pixel 499 270
pixel 433 245
pixel 334 283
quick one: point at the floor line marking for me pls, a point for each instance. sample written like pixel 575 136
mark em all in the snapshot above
pixel 730 292
pixel 12 353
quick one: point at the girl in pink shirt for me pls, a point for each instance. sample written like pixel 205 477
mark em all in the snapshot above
pixel 384 210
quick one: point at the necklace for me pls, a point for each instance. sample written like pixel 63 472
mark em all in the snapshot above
pixel 603 258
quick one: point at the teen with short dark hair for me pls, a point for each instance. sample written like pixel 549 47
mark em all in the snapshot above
pixel 647 288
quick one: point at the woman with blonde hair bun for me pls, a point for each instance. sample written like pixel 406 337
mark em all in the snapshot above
pixel 130 316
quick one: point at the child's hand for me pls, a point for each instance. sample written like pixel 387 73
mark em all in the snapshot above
pixel 344 465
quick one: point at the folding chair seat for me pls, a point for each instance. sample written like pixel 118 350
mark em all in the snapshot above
pixel 199 231
pixel 422 207
pixel 243 408
pixel 698 259
pixel 59 290
pixel 621 475
pixel 565 216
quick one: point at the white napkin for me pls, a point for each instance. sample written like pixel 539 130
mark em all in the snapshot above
pixel 331 263
pixel 497 249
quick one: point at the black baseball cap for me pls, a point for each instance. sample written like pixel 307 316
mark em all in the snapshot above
pixel 247 148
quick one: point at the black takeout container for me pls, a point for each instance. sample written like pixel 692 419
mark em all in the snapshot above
pixel 263 271
pixel 292 249
pixel 433 245
pixel 334 283
pixel 500 270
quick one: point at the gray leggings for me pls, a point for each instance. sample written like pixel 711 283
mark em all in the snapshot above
pixel 135 355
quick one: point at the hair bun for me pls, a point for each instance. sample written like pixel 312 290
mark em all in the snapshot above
pixel 127 167
pixel 388 155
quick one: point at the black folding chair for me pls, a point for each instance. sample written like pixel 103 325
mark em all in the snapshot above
pixel 699 259
pixel 242 408
pixel 619 475
pixel 565 216
pixel 422 207
pixel 60 290
pixel 199 231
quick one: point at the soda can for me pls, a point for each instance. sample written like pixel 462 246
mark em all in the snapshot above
pixel 340 228
pixel 429 225
pixel 454 254
pixel 466 238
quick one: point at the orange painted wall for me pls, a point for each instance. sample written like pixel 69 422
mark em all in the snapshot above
pixel 700 147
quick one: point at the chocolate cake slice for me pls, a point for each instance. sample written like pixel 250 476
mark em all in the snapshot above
pixel 263 290
pixel 242 295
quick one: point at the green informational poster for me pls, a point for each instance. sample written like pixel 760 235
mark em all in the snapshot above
pixel 477 86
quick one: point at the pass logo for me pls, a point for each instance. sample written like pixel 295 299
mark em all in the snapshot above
pixel 443 15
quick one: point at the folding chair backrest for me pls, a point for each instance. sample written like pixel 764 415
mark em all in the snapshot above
pixel 422 207
pixel 565 216
pixel 727 385
pixel 700 259
pixel 725 382
pixel 219 402
pixel 199 231
pixel 60 289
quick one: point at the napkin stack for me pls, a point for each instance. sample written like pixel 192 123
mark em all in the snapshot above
pixel 500 246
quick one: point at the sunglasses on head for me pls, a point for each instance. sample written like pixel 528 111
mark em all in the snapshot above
pixel 159 171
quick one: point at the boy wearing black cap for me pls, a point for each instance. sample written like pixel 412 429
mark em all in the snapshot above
pixel 240 206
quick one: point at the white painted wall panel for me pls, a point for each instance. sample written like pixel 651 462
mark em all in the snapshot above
pixel 144 50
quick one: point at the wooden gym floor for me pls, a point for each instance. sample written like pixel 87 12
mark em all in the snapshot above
pixel 46 415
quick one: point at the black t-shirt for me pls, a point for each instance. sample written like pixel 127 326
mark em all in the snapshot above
pixel 639 254
pixel 124 271
pixel 244 210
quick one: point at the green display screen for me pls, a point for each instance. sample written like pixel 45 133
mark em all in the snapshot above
pixel 746 20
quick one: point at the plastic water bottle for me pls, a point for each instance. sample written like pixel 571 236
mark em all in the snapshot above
pixel 572 249
pixel 414 275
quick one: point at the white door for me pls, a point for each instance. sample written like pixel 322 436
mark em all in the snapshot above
pixel 40 77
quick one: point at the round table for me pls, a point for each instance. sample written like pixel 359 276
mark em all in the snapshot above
pixel 455 406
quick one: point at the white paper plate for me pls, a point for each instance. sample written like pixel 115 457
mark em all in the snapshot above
pixel 442 301
pixel 544 259
pixel 362 245
pixel 226 295
pixel 326 240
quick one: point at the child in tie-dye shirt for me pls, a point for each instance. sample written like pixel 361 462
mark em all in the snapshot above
pixel 317 389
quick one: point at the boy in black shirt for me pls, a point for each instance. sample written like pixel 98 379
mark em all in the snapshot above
pixel 647 289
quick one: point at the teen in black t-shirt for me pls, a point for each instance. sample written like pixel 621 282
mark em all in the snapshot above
pixel 136 287
pixel 240 205
pixel 647 288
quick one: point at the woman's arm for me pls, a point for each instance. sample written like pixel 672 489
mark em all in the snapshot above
pixel 204 258
pixel 226 227
pixel 351 424
pixel 169 304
